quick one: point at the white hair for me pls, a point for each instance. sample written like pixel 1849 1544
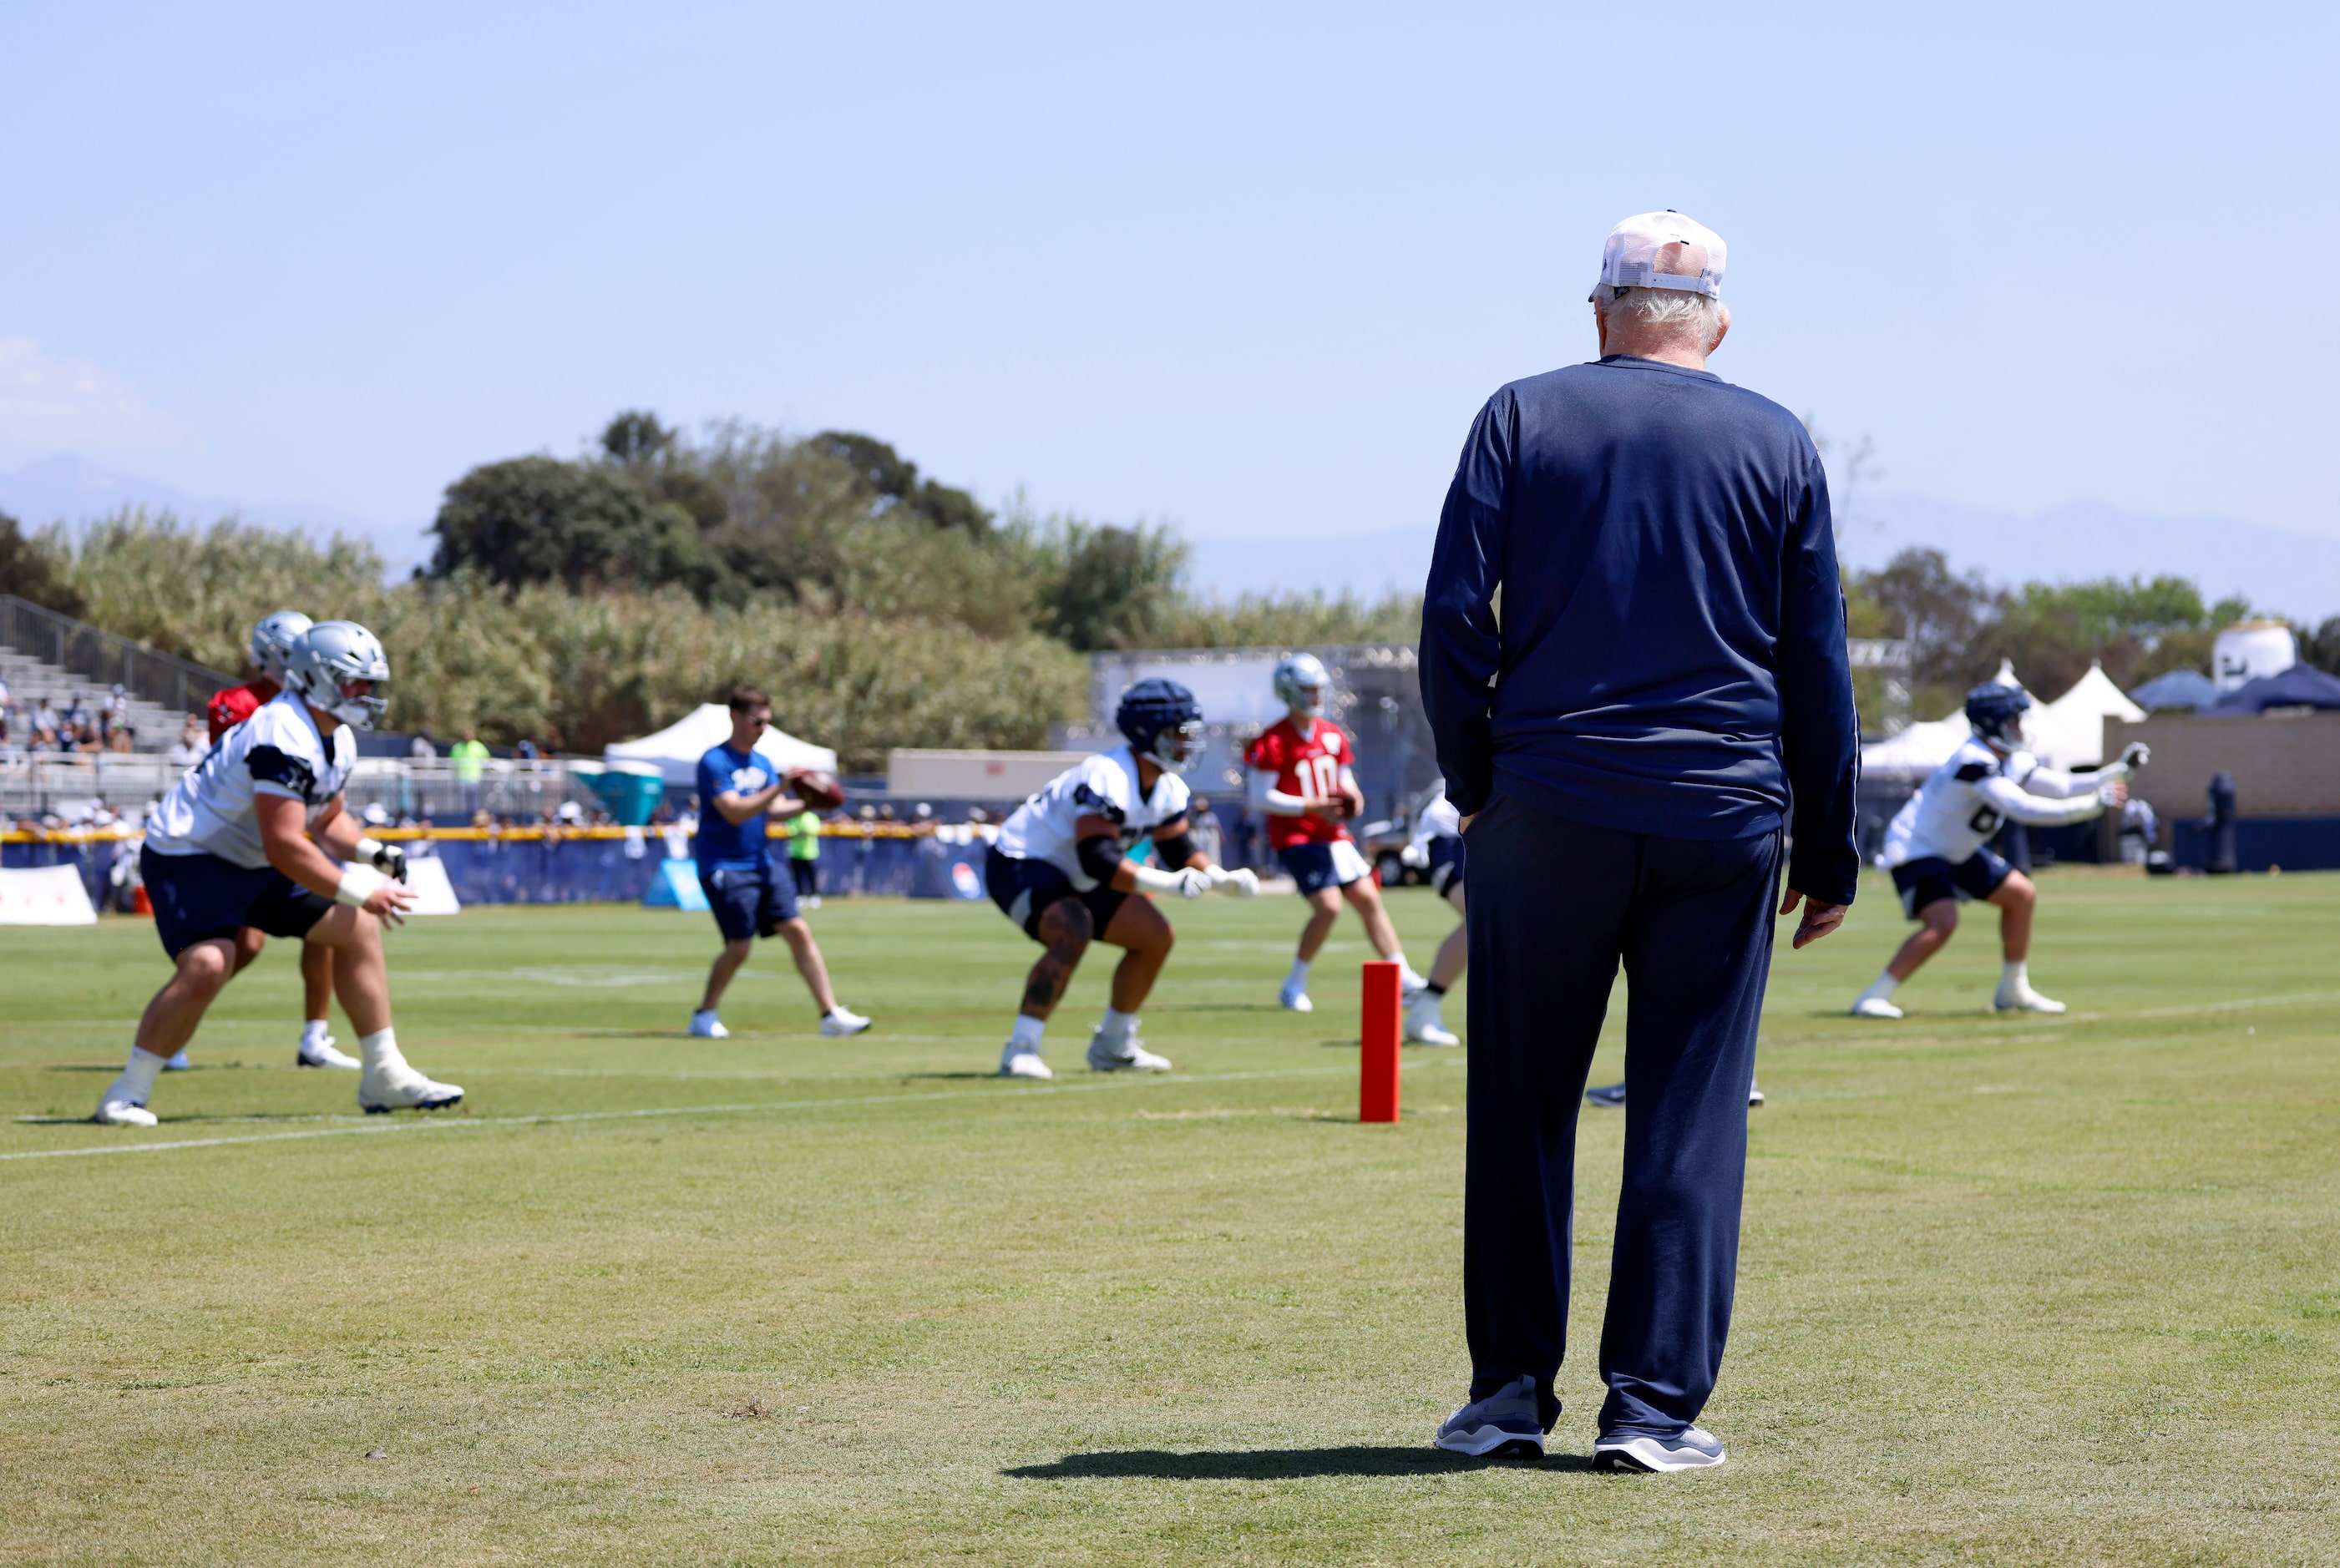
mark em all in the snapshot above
pixel 1676 308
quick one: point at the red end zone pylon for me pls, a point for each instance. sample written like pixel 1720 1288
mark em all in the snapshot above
pixel 1377 1077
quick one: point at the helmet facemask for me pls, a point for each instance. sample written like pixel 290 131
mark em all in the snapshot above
pixel 1178 746
pixel 360 713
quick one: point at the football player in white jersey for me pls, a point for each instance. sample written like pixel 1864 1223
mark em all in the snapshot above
pixel 1437 848
pixel 1059 873
pixel 1935 845
pixel 254 836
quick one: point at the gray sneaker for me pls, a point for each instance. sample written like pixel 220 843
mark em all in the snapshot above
pixel 1694 1448
pixel 1503 1425
pixel 1608 1096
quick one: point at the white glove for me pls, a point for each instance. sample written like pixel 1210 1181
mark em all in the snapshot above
pixel 2111 792
pixel 2135 755
pixel 1245 883
pixel 389 859
pixel 1186 883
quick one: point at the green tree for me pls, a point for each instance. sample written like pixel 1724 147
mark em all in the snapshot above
pixel 30 570
pixel 893 480
pixel 1098 585
pixel 540 520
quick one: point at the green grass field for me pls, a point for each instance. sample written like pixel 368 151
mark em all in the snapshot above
pixel 2012 1291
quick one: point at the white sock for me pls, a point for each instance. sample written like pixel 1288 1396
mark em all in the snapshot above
pixel 1026 1035
pixel 137 1080
pixel 1883 987
pixel 379 1049
pixel 1299 980
pixel 2015 975
pixel 313 1033
pixel 1117 1027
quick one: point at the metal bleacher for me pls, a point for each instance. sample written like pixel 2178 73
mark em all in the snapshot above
pixel 45 654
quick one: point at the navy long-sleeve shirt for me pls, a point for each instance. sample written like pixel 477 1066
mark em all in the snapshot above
pixel 1668 653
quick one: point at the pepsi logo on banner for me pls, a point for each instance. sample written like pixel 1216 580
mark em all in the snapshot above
pixel 964 882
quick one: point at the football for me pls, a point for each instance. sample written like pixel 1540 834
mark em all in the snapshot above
pixel 817 787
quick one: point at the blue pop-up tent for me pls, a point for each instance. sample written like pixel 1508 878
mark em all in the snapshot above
pixel 2302 686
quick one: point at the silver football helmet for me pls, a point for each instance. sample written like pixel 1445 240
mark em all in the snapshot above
pixel 273 640
pixel 332 654
pixel 1301 683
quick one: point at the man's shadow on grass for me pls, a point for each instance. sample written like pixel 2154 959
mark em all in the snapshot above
pixel 1277 1464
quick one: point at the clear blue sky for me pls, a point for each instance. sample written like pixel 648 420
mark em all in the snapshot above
pixel 1250 272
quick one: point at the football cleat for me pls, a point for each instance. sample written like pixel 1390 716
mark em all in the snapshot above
pixel 705 1025
pixel 1506 1424
pixel 2021 998
pixel 1015 1063
pixel 1609 1097
pixel 1694 1448
pixel 1132 1057
pixel 1754 1096
pixel 1295 998
pixel 395 1086
pixel 1423 1024
pixel 838 1023
pixel 179 1062
pixel 1875 1007
pixel 323 1055
pixel 123 1113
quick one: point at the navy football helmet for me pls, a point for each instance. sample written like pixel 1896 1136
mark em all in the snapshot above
pixel 1997 713
pixel 1163 722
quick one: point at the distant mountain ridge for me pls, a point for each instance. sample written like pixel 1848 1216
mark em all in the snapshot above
pixel 2290 573
pixel 72 490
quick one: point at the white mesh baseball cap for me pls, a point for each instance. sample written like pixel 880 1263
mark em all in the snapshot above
pixel 1663 250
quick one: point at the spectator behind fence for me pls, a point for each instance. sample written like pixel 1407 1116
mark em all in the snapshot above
pixel 804 856
pixel 420 747
pixel 469 757
pixel 192 745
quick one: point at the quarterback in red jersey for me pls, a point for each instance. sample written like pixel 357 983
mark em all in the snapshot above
pixel 272 644
pixel 1301 779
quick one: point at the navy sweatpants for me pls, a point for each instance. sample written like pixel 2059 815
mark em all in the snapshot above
pixel 1555 906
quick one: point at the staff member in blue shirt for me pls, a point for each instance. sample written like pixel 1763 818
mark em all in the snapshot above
pixel 1661 706
pixel 738 789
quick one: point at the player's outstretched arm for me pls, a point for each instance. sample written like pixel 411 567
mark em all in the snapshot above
pixel 283 823
pixel 2016 800
pixel 1098 845
pixel 1175 845
pixel 1260 793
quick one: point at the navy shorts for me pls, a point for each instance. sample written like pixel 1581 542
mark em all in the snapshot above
pixel 1024 889
pixel 749 899
pixel 1930 878
pixel 199 897
pixel 1446 863
pixel 1316 866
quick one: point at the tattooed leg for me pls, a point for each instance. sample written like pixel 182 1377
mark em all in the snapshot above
pixel 1065 928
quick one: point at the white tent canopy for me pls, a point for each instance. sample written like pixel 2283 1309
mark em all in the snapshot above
pixel 1917 750
pixel 675 750
pixel 2070 732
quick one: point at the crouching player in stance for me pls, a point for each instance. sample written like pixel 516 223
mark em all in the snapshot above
pixel 272 644
pixel 1301 780
pixel 1059 873
pixel 254 837
pixel 1934 845
pixel 738 788
pixel 1437 848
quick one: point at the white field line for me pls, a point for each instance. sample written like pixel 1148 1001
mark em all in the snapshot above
pixel 372 1125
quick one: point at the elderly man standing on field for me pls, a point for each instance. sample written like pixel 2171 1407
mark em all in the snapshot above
pixel 1655 706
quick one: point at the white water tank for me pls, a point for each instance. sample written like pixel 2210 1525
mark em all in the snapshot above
pixel 2249 649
